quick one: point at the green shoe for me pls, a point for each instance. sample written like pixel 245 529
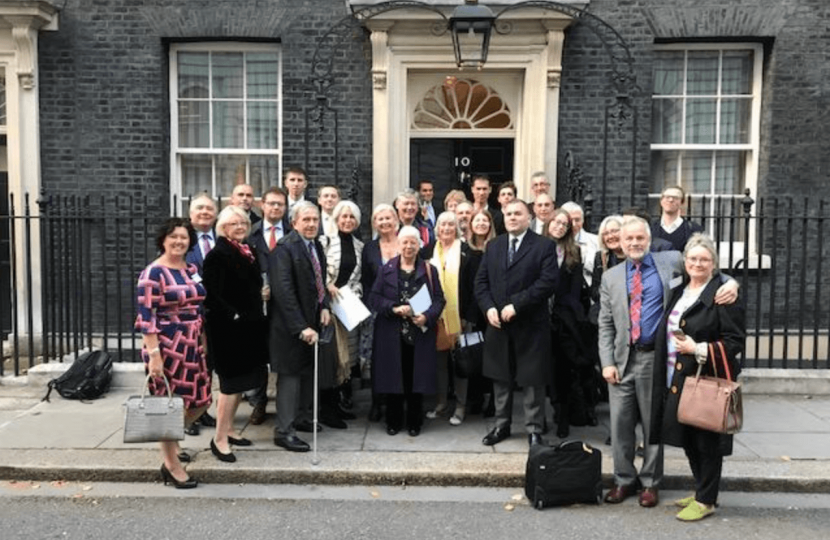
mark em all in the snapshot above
pixel 695 512
pixel 684 502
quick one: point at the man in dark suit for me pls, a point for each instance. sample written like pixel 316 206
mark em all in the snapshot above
pixel 543 208
pixel 264 237
pixel 430 209
pixel 301 308
pixel 633 298
pixel 243 197
pixel 515 280
pixel 295 184
pixel 481 195
pixel 203 218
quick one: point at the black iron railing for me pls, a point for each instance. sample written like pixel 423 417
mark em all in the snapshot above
pixel 91 251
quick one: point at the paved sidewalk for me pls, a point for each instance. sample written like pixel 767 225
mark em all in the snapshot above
pixel 785 446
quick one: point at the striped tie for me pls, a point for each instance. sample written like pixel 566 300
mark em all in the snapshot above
pixel 636 304
pixel 318 273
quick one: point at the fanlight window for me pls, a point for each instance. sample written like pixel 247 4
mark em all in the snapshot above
pixel 461 104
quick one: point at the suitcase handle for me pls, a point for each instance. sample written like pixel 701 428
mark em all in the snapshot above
pixel 569 445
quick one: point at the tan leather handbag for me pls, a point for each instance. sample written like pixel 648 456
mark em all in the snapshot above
pixel 712 403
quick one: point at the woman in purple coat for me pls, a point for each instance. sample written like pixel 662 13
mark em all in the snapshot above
pixel 404 353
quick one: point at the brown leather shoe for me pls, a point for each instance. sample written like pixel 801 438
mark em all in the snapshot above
pixel 258 414
pixel 620 493
pixel 649 498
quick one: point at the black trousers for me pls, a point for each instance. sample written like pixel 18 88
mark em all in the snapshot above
pixel 706 468
pixel 413 402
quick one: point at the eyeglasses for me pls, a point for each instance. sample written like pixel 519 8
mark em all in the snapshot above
pixel 236 224
pixel 275 203
pixel 700 260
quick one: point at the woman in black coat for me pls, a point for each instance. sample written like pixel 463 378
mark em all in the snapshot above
pixel 572 368
pixel 692 322
pixel 236 325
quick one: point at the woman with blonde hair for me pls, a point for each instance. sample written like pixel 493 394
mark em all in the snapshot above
pixel 343 260
pixel 375 254
pixel 453 199
pixel 456 272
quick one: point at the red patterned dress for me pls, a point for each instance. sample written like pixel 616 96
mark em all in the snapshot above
pixel 170 305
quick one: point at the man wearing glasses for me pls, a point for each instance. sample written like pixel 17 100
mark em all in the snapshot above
pixel 264 237
pixel 671 226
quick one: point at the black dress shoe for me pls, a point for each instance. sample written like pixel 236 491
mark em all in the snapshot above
pixel 227 458
pixel 592 417
pixel 563 430
pixel 207 420
pixel 534 439
pixel 392 430
pixel 242 441
pixel 332 421
pixel 258 414
pixel 414 431
pixel 307 426
pixel 192 429
pixel 292 443
pixel 343 414
pixel 184 457
pixel 168 478
pixel 496 436
pixel 375 414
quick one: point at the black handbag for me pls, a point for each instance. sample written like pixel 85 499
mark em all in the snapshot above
pixel 468 356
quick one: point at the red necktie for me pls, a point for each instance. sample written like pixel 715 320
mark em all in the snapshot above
pixel 636 305
pixel 318 273
pixel 272 241
pixel 205 244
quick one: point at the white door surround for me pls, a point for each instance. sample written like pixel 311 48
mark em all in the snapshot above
pixel 405 47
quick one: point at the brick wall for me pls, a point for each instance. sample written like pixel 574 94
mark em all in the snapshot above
pixel 104 89
pixel 795 141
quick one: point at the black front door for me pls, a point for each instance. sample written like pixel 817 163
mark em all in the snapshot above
pixel 451 163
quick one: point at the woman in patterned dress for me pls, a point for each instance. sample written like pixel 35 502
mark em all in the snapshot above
pixel 170 296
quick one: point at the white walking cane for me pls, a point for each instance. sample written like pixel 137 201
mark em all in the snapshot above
pixel 315 459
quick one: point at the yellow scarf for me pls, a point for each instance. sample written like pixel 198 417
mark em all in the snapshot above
pixel 449 267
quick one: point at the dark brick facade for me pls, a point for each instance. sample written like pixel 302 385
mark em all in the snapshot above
pixel 104 90
pixel 105 112
pixel 795 140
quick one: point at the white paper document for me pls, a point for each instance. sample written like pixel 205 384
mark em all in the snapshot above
pixel 421 301
pixel 348 308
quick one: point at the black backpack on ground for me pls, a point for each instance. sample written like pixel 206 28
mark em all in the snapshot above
pixel 568 473
pixel 88 377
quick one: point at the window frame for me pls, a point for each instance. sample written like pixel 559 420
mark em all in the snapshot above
pixel 176 151
pixel 752 148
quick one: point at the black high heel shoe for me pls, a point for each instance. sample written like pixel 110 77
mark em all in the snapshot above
pixel 227 458
pixel 168 478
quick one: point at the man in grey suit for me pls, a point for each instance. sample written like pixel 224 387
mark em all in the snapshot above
pixel 633 298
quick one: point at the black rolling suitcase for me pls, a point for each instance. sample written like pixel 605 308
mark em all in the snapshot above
pixel 568 473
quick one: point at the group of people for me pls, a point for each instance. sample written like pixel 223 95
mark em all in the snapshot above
pixel 566 316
